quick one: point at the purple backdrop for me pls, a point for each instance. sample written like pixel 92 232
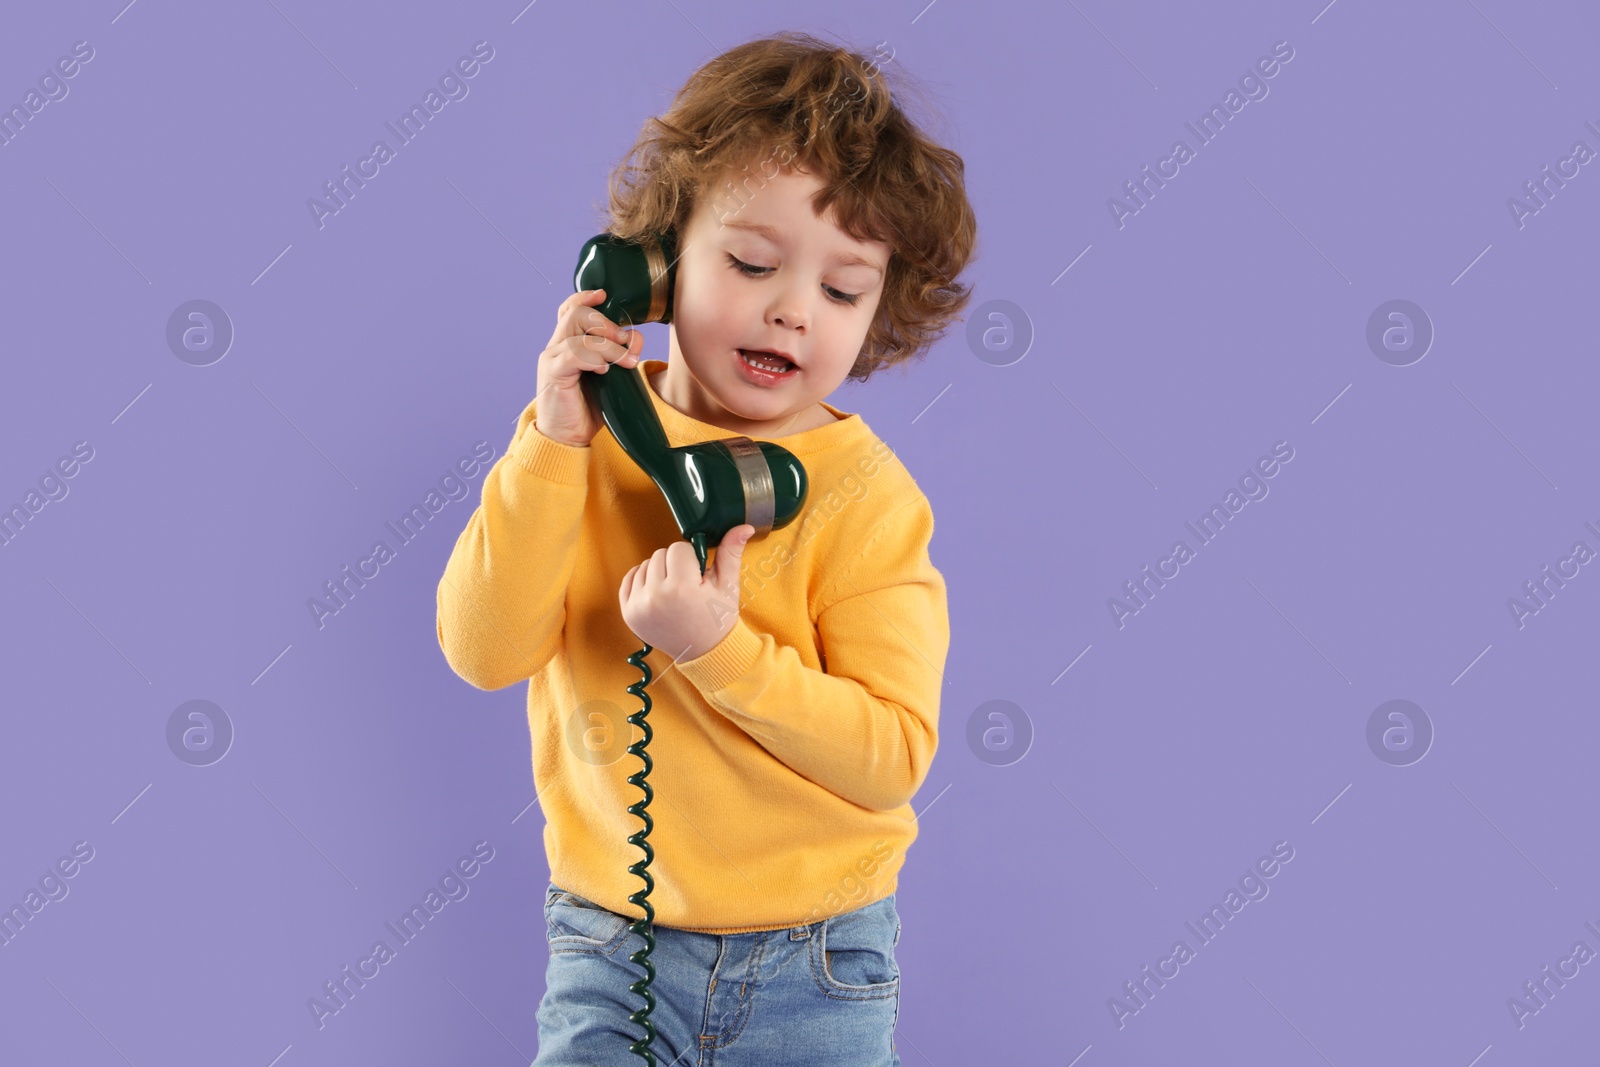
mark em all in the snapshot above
pixel 1377 260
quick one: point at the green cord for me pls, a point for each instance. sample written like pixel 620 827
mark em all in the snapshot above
pixel 641 899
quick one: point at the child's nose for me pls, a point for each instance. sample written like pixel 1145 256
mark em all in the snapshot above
pixel 789 309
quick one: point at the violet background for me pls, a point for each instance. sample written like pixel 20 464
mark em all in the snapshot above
pixel 1229 314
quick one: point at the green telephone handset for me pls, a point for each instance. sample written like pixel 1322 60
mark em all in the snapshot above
pixel 711 487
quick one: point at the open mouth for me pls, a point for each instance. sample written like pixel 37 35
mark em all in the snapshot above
pixel 765 367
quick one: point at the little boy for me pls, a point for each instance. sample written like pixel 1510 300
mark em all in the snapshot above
pixel 796 684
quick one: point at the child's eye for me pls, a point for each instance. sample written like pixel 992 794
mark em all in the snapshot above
pixel 751 271
pixel 745 268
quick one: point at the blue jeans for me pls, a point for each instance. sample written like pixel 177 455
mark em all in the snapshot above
pixel 827 992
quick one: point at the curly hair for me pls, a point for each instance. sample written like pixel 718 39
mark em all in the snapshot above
pixel 794 100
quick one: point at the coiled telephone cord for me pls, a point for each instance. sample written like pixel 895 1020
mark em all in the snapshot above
pixel 641 898
pixel 642 927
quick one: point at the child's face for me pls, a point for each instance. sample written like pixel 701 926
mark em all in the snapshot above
pixel 790 295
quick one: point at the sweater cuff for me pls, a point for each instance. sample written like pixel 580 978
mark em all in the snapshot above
pixel 725 662
pixel 552 460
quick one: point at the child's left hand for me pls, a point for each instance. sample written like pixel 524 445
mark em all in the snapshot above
pixel 670 605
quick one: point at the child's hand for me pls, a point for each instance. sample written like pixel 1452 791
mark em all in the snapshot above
pixel 670 605
pixel 584 340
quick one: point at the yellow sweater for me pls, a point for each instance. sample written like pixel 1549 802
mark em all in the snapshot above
pixel 784 759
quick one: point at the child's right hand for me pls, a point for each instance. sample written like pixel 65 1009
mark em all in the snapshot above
pixel 584 340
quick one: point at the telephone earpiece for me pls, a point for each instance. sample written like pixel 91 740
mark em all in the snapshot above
pixel 638 277
pixel 711 486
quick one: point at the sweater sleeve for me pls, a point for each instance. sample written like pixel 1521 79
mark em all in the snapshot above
pixel 502 599
pixel 866 726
